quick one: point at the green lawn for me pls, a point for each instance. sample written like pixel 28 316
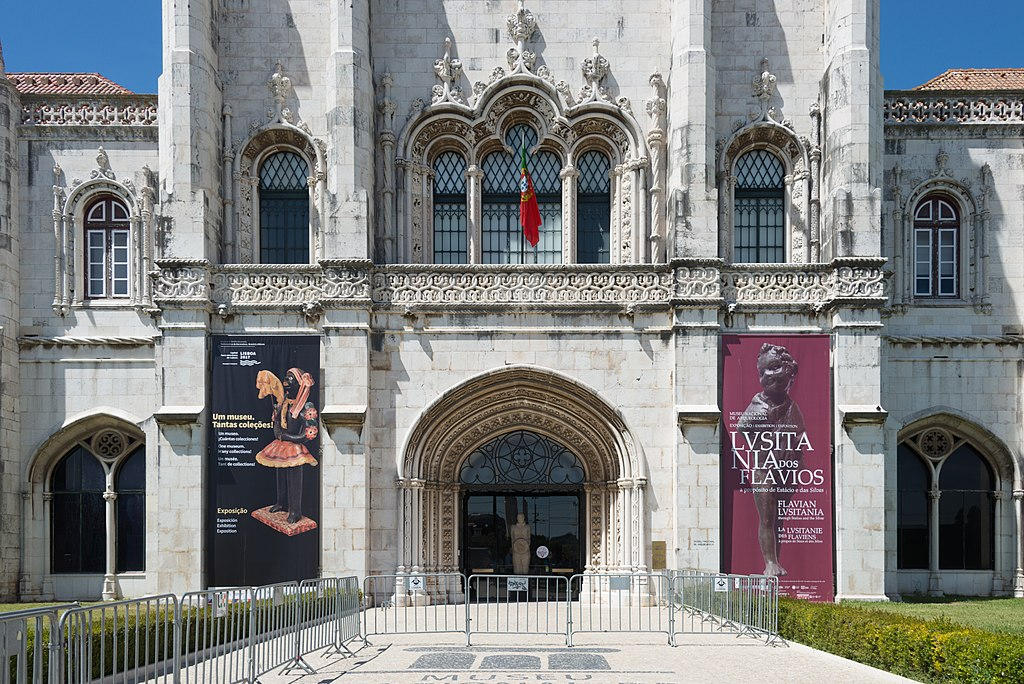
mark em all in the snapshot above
pixel 990 614
pixel 11 607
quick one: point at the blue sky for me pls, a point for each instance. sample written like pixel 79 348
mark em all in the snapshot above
pixel 121 38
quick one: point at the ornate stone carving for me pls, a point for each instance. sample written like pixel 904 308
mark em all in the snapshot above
pixel 302 287
pixel 95 110
pixel 108 444
pixel 935 443
pixel 521 26
pixel 180 282
pixel 764 91
pixel 594 68
pixel 280 87
pixel 918 108
pixel 449 70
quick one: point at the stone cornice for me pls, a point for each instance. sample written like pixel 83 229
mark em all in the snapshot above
pixel 955 107
pixel 702 283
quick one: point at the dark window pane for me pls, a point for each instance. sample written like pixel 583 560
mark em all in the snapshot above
pixel 759 169
pixel 94 533
pixel 912 481
pixel 131 532
pixel 131 474
pixel 965 469
pixel 593 233
pixel 284 227
pixel 965 530
pixel 65 532
pixel 758 212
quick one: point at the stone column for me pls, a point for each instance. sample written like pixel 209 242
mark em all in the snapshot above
pixel 934 579
pixel 1018 543
pixel 569 174
pixel 611 560
pixel 998 577
pixel 474 213
pixel 639 516
pixel 625 555
pixel 110 508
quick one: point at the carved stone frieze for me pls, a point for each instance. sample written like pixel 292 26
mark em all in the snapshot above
pixel 853 282
pixel 95 110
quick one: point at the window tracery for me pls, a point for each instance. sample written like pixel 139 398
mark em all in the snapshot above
pixel 514 105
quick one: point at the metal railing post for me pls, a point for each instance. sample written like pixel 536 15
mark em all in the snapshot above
pixel 176 643
pixel 465 603
pixel 252 636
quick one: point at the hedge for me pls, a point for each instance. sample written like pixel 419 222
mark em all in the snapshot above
pixel 932 650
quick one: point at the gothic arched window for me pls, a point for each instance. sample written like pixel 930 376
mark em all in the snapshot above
pixel 104 474
pixel 284 209
pixel 450 218
pixel 107 251
pixel 593 205
pixel 759 208
pixel 502 234
pixel 936 248
pixel 959 480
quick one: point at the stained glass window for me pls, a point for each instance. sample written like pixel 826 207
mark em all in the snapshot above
pixel 593 209
pixel 502 234
pixel 522 458
pixel 284 209
pixel 758 212
pixel 450 222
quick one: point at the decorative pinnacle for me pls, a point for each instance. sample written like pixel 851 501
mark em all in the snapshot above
pixel 595 68
pixel 448 70
pixel 521 25
pixel 280 87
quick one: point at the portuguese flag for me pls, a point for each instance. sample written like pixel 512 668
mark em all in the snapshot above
pixel 529 212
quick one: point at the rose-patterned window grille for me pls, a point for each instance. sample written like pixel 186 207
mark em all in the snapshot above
pixel 593 206
pixel 759 208
pixel 284 209
pixel 502 235
pixel 107 249
pixel 450 218
pixel 522 458
pixel 936 248
pixel 940 468
pixel 108 470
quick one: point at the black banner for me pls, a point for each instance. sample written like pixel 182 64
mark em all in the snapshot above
pixel 263 503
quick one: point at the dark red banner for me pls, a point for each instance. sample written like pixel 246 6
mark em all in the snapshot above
pixel 777 461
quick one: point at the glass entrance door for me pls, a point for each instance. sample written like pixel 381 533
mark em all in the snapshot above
pixel 555 527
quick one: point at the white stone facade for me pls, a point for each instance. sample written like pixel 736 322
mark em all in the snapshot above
pixel 366 91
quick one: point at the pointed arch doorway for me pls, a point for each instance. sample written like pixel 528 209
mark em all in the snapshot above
pixel 496 430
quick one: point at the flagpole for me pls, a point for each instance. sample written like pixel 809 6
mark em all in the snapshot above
pixel 522 235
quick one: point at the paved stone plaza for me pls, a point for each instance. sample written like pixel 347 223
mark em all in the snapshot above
pixel 603 658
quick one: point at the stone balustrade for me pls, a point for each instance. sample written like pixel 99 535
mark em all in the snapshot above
pixel 89 110
pixel 910 107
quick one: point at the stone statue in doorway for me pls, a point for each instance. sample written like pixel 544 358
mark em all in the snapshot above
pixel 520 535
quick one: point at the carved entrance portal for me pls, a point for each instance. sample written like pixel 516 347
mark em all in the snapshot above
pixel 593 449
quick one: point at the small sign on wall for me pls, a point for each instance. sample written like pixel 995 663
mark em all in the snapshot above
pixel 703 544
pixel 658 555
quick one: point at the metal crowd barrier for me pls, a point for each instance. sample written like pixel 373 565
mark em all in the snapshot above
pixel 26 644
pixel 414 603
pixel 622 602
pixel 714 603
pixel 518 604
pixel 213 633
pixel 123 640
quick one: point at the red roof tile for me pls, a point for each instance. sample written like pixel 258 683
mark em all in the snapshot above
pixel 976 79
pixel 40 83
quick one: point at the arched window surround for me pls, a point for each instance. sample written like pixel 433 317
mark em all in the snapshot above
pixel 970 245
pixel 568 132
pixel 69 213
pixel 38 580
pixel 801 207
pixel 1008 558
pixel 242 211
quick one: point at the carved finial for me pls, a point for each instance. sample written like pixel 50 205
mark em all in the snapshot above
pixel 764 90
pixel 521 26
pixel 595 68
pixel 102 160
pixel 449 70
pixel 280 88
pixel 57 173
pixel 657 107
pixel 941 159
